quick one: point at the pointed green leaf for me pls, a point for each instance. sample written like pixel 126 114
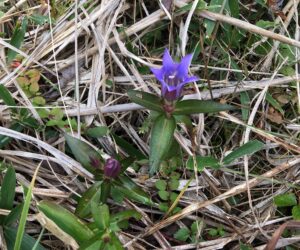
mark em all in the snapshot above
pixel 188 107
pixel 13 215
pixel 24 213
pixel 115 243
pixel 125 215
pixel 202 162
pixel 17 39
pixel 161 141
pixel 84 153
pixel 83 208
pixel 8 189
pixel 105 190
pixel 131 150
pixel 146 100
pixel 7 97
pixel 94 243
pixel 131 190
pixel 245 101
pixel 249 148
pixel 97 131
pixel 274 103
pixel 67 221
pixel 185 119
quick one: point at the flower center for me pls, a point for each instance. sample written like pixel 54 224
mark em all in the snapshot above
pixel 171 80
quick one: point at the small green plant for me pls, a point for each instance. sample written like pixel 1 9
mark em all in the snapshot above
pixel 216 232
pixel 192 234
pixel 29 82
pixel 167 192
pixel 288 201
pixel 99 233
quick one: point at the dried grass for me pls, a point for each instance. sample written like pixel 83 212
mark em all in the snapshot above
pixel 101 55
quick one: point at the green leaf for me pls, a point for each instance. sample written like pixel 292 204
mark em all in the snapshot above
pixel 7 97
pixel 27 243
pixel 13 215
pixel 265 24
pixel 105 190
pixel 133 195
pixel 200 6
pixel 67 221
pixel 188 107
pixel 146 100
pixel 101 215
pixel 196 225
pixel 164 207
pixel 245 101
pixel 8 189
pixel 22 223
pixel 56 114
pixel 285 200
pixel 17 39
pixel 214 6
pixel 234 8
pixel 84 153
pixel 161 184
pixel 173 184
pixel 92 194
pixel 296 212
pixel 115 243
pixel 125 215
pixel 39 101
pixel 131 150
pixel 274 103
pixel 202 162
pixel 161 141
pixel 116 195
pixel 93 244
pixel 97 131
pixel 132 191
pixel 186 120
pixel 249 148
pixel 164 195
pixel 182 234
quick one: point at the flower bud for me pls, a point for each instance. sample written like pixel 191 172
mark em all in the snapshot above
pixel 112 168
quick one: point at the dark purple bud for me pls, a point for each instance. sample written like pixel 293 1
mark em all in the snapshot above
pixel 95 162
pixel 112 168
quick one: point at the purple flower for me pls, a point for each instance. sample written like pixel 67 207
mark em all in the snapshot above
pixel 112 168
pixel 173 76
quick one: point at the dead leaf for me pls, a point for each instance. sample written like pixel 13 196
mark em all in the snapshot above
pixel 282 98
pixel 55 230
pixel 274 116
pixel 275 7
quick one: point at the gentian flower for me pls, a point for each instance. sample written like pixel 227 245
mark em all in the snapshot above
pixel 173 76
pixel 112 168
